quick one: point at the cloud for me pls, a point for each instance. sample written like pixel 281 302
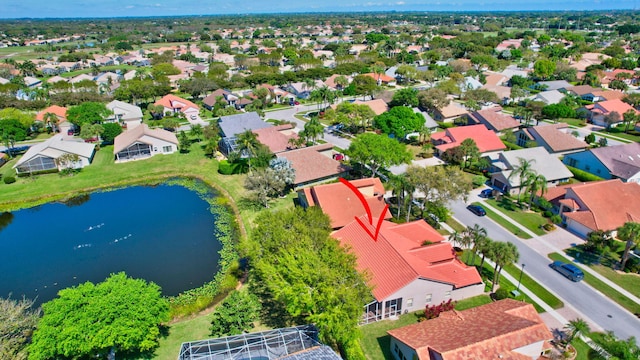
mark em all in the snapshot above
pixel 400 3
pixel 129 7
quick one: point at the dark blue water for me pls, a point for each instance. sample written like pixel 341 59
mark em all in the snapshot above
pixel 163 234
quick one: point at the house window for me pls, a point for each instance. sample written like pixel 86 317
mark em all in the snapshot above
pixel 395 348
pixel 572 162
pixel 428 298
pixel 155 149
pixel 409 302
pixel 166 149
pixel 447 294
pixel 393 307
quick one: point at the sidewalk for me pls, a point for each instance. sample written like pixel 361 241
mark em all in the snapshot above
pixel 539 244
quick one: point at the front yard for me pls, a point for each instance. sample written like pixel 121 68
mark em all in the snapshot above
pixel 533 221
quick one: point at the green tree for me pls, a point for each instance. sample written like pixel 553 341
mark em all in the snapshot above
pixel 305 276
pixel 248 144
pixel 235 315
pixel 522 172
pixel 630 117
pixel 111 130
pixel 365 85
pixel 504 253
pixel 18 319
pixel 196 131
pixel 26 119
pixel 433 99
pixel 399 121
pixel 405 97
pixel 91 131
pixel 313 129
pixel 536 183
pixel 544 69
pixel 439 184
pixel 575 328
pixel 477 234
pixel 630 234
pixel 184 143
pixel 469 151
pixel 87 113
pixel 375 152
pixel 120 314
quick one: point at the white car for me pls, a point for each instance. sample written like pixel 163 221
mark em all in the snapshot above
pixel 193 117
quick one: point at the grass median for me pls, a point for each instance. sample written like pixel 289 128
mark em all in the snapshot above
pixel 504 223
pixel 605 289
pixel 531 220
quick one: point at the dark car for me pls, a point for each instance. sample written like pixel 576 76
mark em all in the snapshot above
pixel 570 271
pixel 477 209
pixel 486 193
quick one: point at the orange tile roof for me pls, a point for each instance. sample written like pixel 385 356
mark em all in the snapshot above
pixel 171 101
pixel 616 105
pixel 382 77
pixel 601 211
pixel 342 205
pixel 475 333
pixel 59 111
pixel 273 137
pixel 395 260
pixel 485 139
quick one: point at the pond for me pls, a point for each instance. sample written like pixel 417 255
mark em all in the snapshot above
pixel 164 234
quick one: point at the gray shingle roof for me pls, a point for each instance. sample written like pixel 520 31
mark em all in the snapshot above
pixel 542 163
pixel 233 125
pixel 623 161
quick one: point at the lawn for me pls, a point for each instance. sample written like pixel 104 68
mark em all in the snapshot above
pixel 573 122
pixel 602 287
pixel 531 220
pixel 188 330
pixel 584 351
pixel 534 286
pixel 375 341
pixel 619 132
pixel 504 223
pixel 456 226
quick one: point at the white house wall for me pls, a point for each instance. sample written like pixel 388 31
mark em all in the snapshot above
pixel 533 351
pixel 420 288
pixel 158 144
pixel 577 228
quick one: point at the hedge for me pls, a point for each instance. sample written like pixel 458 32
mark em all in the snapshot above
pixel 512 146
pixel 584 176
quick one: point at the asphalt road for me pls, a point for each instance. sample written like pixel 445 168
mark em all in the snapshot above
pixel 288 115
pixel 591 305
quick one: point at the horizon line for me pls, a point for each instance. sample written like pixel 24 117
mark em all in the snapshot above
pixel 320 12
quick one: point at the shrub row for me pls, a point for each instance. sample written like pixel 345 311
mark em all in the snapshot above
pixel 581 175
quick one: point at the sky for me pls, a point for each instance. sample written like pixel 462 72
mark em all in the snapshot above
pixel 128 8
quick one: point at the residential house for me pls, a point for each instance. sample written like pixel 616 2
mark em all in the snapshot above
pixel 378 106
pixel 549 97
pixel 210 101
pixel 509 44
pixel 107 78
pixel 301 89
pixel 494 120
pixel 331 82
pixel 141 142
pixel 554 138
pixel 542 163
pixel 4 81
pixel 127 115
pixel 233 125
pixel 46 156
pixel 81 77
pixel 55 79
pixel 341 205
pixel 581 90
pixel 32 82
pixel 601 205
pixel 588 59
pixel 560 85
pixel 60 112
pixel 174 104
pixel 486 140
pixel 276 138
pixel 603 95
pixel 598 112
pixel 410 266
pixel 278 95
pixel 431 124
pixel 450 112
pixel 505 329
pixel 382 79
pixel 314 164
pixel 609 162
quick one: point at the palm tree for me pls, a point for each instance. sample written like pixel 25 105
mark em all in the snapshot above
pixel 341 81
pixel 575 328
pixel 51 120
pixel 522 171
pixel 477 233
pixel 504 253
pixel 313 128
pixel 485 248
pixel 196 130
pixel 247 144
pixel 398 185
pixel 630 233
pixel 536 183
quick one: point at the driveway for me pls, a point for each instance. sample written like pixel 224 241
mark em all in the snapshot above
pixel 401 169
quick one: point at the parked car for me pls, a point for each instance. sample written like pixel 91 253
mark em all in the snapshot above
pixel 193 117
pixel 477 209
pixel 486 193
pixel 568 270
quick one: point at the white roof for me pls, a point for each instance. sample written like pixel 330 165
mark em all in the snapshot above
pixel 542 163
pixel 127 111
pixel 56 146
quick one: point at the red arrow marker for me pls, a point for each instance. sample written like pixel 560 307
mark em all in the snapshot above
pixel 357 192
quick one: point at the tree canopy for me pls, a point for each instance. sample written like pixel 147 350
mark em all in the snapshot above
pixel 307 276
pixel 87 113
pixel 377 151
pixel 120 314
pixel 400 121
pixel 17 322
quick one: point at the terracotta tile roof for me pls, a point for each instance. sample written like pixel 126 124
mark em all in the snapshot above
pixel 494 79
pixel 382 77
pixel 213 97
pixel 582 89
pixel 396 260
pixel 616 105
pixel 556 139
pixel 341 204
pixel 485 139
pixel 311 165
pixel 59 111
pixel 171 101
pixel 610 94
pixel 130 136
pixel 452 110
pixel 600 211
pixel 475 333
pixel 496 120
pixel 273 137
pixel 378 106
